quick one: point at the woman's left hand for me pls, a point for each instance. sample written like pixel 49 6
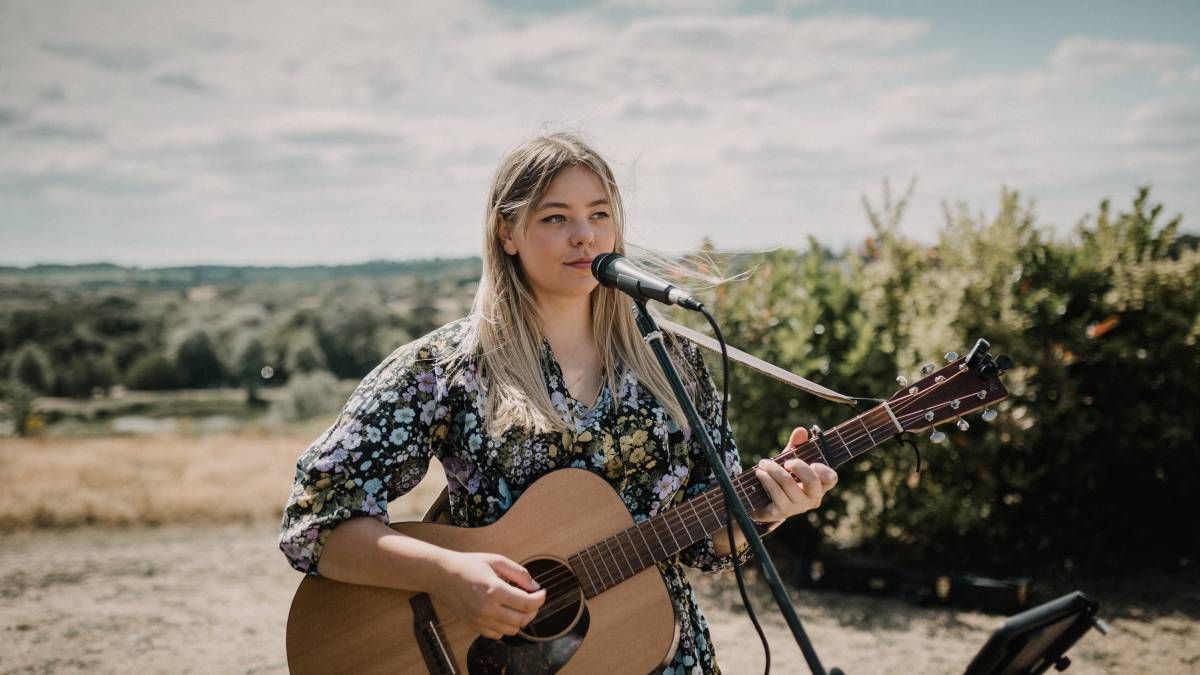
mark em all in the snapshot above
pixel 789 497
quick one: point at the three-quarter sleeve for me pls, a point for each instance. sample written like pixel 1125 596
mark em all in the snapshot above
pixel 702 555
pixel 377 450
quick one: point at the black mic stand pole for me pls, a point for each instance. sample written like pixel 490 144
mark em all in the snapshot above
pixel 654 337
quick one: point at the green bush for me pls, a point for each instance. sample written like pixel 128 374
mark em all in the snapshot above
pixel 251 359
pixel 31 366
pixel 84 376
pixel 309 395
pixel 16 403
pixel 153 372
pixel 1095 450
pixel 198 363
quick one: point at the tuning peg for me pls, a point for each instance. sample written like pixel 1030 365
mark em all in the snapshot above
pixel 988 415
pixel 927 369
pixel 902 380
pixel 1004 362
pixel 950 356
pixel 937 436
pixel 962 424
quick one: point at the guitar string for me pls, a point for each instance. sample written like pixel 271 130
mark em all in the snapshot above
pixel 554 582
pixel 742 484
pixel 561 581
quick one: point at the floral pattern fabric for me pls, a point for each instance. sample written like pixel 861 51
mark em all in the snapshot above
pixel 409 409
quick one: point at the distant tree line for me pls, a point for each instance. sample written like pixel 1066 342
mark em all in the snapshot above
pixel 80 343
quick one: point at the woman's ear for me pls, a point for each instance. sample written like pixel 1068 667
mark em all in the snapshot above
pixel 506 240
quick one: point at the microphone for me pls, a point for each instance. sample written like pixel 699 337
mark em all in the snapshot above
pixel 615 271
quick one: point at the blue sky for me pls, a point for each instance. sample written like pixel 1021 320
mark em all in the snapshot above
pixel 165 132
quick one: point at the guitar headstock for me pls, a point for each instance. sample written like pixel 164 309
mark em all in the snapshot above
pixel 962 386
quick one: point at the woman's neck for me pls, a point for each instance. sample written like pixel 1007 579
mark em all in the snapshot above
pixel 568 328
pixel 566 322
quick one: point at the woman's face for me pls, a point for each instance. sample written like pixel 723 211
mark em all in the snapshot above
pixel 570 225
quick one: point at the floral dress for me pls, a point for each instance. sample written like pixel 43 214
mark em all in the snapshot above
pixel 410 409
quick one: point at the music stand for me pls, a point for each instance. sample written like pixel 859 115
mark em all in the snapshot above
pixel 1030 642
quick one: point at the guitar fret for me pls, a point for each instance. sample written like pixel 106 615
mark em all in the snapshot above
pixel 645 543
pixel 594 557
pixel 599 555
pixel 747 495
pixel 671 531
pixel 617 578
pixel 845 447
pixel 720 518
pixel 642 527
pixel 849 445
pixel 623 555
pixel 884 428
pixel 583 569
pixel 661 544
pixel 864 426
pixel 699 522
pixel 807 456
pixel 581 572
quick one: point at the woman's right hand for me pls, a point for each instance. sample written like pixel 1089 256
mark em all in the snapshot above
pixel 476 588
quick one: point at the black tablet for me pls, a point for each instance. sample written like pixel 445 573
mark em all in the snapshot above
pixel 1034 640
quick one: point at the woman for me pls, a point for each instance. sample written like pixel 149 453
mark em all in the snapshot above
pixel 548 371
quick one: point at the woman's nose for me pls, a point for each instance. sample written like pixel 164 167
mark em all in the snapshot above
pixel 582 234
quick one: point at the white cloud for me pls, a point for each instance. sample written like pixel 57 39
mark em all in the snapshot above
pixel 344 132
pixel 1093 57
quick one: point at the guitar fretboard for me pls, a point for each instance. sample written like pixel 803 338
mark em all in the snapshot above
pixel 609 562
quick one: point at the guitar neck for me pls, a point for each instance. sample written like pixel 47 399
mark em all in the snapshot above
pixel 609 562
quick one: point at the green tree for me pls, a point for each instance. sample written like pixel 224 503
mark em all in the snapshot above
pixel 31 366
pixel 251 360
pixel 153 372
pixel 17 399
pixel 198 363
pixel 1096 442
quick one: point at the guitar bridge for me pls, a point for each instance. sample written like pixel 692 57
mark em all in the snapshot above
pixel 435 649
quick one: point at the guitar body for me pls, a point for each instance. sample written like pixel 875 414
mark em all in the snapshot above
pixel 630 628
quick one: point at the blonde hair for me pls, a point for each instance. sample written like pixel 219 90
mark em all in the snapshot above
pixel 504 327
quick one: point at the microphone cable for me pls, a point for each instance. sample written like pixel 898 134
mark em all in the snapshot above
pixel 737 569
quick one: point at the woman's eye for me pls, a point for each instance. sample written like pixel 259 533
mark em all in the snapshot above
pixel 600 215
pixel 555 218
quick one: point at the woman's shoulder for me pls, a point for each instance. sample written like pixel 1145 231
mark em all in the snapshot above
pixel 431 349
pixel 438 343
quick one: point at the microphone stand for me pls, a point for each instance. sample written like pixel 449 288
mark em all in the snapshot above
pixel 654 337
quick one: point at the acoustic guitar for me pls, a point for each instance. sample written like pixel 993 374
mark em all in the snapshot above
pixel 607 608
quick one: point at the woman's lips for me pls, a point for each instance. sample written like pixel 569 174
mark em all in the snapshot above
pixel 580 264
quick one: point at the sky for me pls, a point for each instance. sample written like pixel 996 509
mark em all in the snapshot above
pixel 291 132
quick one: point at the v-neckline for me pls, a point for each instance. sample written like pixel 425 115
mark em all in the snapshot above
pixel 583 409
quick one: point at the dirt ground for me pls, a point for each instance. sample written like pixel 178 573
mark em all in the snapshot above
pixel 214 599
pixel 89 584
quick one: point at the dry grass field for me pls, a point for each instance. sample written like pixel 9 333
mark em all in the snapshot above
pixel 146 480
pixel 157 554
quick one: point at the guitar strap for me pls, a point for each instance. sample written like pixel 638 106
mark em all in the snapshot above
pixel 754 363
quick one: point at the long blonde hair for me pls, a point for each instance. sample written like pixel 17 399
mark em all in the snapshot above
pixel 504 327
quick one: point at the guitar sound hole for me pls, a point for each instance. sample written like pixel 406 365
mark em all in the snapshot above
pixel 564 599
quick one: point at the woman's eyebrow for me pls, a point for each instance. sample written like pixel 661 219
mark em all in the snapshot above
pixel 561 205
